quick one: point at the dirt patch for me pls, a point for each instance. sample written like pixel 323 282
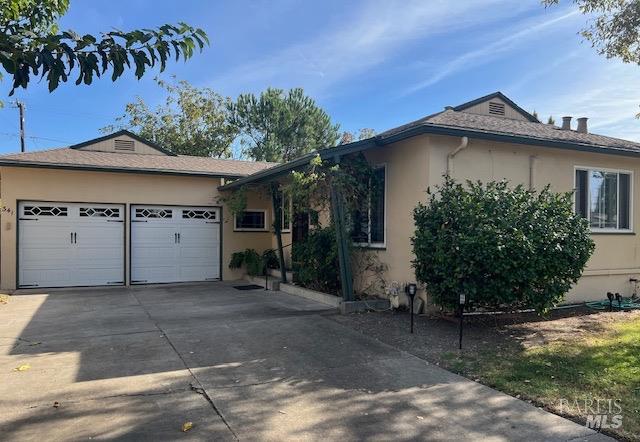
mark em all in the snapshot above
pixel 435 338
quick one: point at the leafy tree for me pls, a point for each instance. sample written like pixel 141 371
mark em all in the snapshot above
pixel 31 45
pixel 192 121
pixel 614 30
pixel 279 126
pixel 551 120
pixel 350 137
pixel 502 247
pixel 535 115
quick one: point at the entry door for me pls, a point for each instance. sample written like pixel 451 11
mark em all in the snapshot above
pixel 174 244
pixel 66 245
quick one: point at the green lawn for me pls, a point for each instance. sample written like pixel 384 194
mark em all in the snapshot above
pixel 603 365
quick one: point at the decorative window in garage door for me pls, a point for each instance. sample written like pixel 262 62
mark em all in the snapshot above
pixel 199 214
pixel 154 213
pixel 100 212
pixel 45 211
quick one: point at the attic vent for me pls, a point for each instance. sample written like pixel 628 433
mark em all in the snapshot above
pixel 125 145
pixel 496 108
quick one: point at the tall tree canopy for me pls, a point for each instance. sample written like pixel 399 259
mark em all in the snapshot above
pixel 615 28
pixel 31 45
pixel 192 121
pixel 350 137
pixel 279 126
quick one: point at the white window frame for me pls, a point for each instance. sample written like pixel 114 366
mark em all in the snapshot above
pixel 589 169
pixel 377 245
pixel 286 200
pixel 242 229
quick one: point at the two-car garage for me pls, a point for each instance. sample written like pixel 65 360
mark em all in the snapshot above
pixel 87 244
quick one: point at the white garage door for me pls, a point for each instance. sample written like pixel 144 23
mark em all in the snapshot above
pixel 174 244
pixel 65 245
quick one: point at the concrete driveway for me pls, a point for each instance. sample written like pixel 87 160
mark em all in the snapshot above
pixel 251 365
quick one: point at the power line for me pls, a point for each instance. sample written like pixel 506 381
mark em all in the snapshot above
pixel 33 137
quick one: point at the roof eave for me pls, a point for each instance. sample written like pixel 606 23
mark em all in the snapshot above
pixel 43 165
pixel 423 129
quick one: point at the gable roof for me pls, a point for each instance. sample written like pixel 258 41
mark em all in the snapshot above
pixel 75 159
pixel 455 122
pixel 120 133
pixel 502 97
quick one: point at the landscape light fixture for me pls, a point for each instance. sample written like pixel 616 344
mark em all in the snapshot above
pixel 610 297
pixel 619 299
pixel 411 289
pixel 463 300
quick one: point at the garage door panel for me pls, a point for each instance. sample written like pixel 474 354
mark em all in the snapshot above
pixel 70 244
pixel 39 235
pixel 182 247
pixel 53 277
pixel 198 273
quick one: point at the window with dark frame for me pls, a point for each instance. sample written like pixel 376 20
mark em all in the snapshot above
pixel 250 220
pixel 603 197
pixel 368 222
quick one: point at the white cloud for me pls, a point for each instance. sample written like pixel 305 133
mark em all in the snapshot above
pixel 512 38
pixel 605 91
pixel 375 35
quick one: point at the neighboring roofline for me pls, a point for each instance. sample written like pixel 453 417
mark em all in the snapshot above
pixel 424 129
pixel 504 98
pixel 112 169
pixel 129 134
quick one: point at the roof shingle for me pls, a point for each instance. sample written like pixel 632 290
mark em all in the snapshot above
pixel 505 126
pixel 180 164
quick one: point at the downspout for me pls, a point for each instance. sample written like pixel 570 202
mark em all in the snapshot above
pixel 532 169
pixel 464 142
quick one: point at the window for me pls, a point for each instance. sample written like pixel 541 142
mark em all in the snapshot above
pixel 45 211
pixel 369 222
pixel 285 212
pixel 251 220
pixel 604 198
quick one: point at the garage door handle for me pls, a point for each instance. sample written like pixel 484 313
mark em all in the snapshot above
pixel 175 238
pixel 75 238
pixel 28 219
pixel 71 239
pixel 178 238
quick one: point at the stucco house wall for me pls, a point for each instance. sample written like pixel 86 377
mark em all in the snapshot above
pixel 419 163
pixel 40 184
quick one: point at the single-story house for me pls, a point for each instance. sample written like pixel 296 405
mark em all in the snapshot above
pixel 119 210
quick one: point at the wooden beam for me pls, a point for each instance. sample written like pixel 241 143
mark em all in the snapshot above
pixel 344 258
pixel 277 225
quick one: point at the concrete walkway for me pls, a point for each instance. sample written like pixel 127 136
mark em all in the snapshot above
pixel 135 364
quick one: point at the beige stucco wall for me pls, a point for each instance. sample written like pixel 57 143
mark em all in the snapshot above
pixel 420 162
pixel 123 188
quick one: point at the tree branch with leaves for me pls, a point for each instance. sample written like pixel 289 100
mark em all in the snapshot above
pixel 32 46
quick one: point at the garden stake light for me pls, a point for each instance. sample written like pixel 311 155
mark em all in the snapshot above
pixel 410 290
pixel 463 299
pixel 619 299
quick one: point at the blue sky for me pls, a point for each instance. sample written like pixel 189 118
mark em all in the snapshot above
pixel 373 64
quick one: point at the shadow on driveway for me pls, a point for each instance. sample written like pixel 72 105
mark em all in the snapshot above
pixel 136 363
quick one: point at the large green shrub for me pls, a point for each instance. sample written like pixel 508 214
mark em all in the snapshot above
pixel 315 260
pixel 502 247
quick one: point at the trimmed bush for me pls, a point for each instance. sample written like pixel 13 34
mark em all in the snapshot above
pixel 504 248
